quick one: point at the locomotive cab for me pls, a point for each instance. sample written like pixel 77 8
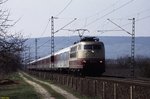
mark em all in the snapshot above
pixel 88 56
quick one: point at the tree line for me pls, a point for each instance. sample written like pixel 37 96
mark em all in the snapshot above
pixel 11 45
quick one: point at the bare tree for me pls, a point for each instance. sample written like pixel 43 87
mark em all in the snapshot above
pixel 10 45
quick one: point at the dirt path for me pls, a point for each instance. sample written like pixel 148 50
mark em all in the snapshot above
pixel 39 89
pixel 66 94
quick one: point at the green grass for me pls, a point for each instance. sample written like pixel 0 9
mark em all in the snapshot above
pixel 21 90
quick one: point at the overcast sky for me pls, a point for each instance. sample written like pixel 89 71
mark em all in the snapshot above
pixel 90 14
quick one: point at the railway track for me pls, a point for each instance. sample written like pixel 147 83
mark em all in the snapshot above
pixel 111 78
pixel 139 81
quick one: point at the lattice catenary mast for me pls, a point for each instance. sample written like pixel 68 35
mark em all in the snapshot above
pixel 52 40
pixel 132 67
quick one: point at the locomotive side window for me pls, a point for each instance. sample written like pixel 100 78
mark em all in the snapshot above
pixel 73 53
pixel 92 47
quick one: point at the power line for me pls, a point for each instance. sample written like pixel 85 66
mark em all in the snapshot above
pixel 119 27
pixel 146 17
pixel 64 8
pixel 43 44
pixel 45 28
pixel 110 12
pixel 65 25
pixel 49 22
pixel 56 15
pixel 114 29
pixel 140 12
pixel 137 13
pixel 104 9
pixel 140 19
pixel 57 31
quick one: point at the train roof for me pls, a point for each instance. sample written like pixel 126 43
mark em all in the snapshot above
pixel 62 50
pixel 48 56
pixel 45 57
pixel 88 39
pixel 83 40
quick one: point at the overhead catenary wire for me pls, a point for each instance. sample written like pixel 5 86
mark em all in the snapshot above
pixel 91 23
pixel 140 19
pixel 104 9
pixel 64 8
pixel 133 14
pixel 110 12
pixel 140 12
pixel 43 44
pixel 45 28
pixel 49 22
pixel 114 29
pixel 65 25
pixel 136 13
pixel 119 27
pixel 145 17
pixel 56 32
pixel 60 28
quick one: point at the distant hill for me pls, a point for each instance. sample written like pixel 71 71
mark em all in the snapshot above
pixel 114 46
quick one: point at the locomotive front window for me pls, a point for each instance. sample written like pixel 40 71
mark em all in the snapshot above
pixel 92 47
pixel 96 47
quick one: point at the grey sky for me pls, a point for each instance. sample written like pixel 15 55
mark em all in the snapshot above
pixel 35 14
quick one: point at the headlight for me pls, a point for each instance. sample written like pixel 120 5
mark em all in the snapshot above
pixel 84 61
pixel 101 61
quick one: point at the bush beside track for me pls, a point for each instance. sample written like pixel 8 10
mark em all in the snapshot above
pixel 16 88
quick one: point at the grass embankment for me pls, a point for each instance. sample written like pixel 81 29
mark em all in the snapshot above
pixel 75 93
pixel 70 90
pixel 48 88
pixel 17 89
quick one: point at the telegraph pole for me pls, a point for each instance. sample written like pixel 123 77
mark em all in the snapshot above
pixel 52 41
pixel 29 55
pixel 36 50
pixel 133 48
pixel 52 38
pixel 132 64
